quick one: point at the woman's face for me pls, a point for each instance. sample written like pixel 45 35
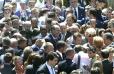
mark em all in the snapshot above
pixel 18 63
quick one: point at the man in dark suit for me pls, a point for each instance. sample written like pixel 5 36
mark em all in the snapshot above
pixel 7 66
pixel 54 36
pixel 67 65
pixel 107 65
pixel 82 3
pixel 78 11
pixel 61 48
pixel 48 67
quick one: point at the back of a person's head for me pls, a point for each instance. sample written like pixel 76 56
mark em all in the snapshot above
pixel 60 44
pixel 104 53
pixel 27 51
pixel 108 36
pixel 37 60
pixel 78 48
pixel 8 58
pixel 51 56
pixel 6 41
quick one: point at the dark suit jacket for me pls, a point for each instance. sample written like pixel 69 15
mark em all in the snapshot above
pixel 7 69
pixel 66 66
pixel 82 3
pixel 59 57
pixel 107 67
pixel 81 15
pixel 50 38
pixel 43 70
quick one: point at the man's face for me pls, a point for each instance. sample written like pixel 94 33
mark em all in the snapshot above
pixel 56 32
pixel 31 4
pixel 50 48
pixel 73 3
pixel 63 29
pixel 78 40
pixel 54 62
pixel 91 54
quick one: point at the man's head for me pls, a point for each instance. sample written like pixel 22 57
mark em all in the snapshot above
pixel 22 42
pixel 61 46
pixel 108 38
pixel 91 51
pixel 77 38
pixel 70 53
pixel 8 58
pixel 52 59
pixel 104 53
pixel 73 3
pixel 14 42
pixel 48 47
pixel 63 27
pixel 55 30
pixel 31 3
pixel 39 42
pixel 43 30
pixel 90 33
pixel 6 42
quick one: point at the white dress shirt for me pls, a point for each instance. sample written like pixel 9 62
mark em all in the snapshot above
pixel 60 54
pixel 84 59
pixel 1 5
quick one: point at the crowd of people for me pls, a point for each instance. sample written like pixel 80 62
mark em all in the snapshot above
pixel 51 37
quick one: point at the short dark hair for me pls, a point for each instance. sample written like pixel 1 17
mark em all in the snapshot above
pixel 91 48
pixel 51 55
pixel 6 41
pixel 8 57
pixel 69 50
pixel 104 53
pixel 60 44
pixel 93 12
pixel 109 36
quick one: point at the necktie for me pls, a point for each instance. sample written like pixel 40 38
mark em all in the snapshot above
pixel 53 72
pixel 75 12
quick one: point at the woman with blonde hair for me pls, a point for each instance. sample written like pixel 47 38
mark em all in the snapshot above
pixel 98 43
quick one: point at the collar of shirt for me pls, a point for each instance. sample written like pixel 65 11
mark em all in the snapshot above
pixel 54 37
pixel 51 69
pixel 59 53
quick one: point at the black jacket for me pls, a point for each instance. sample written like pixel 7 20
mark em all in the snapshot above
pixel 66 66
pixel 43 70
pixel 107 67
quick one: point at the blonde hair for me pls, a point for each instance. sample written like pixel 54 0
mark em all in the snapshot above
pixel 98 41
